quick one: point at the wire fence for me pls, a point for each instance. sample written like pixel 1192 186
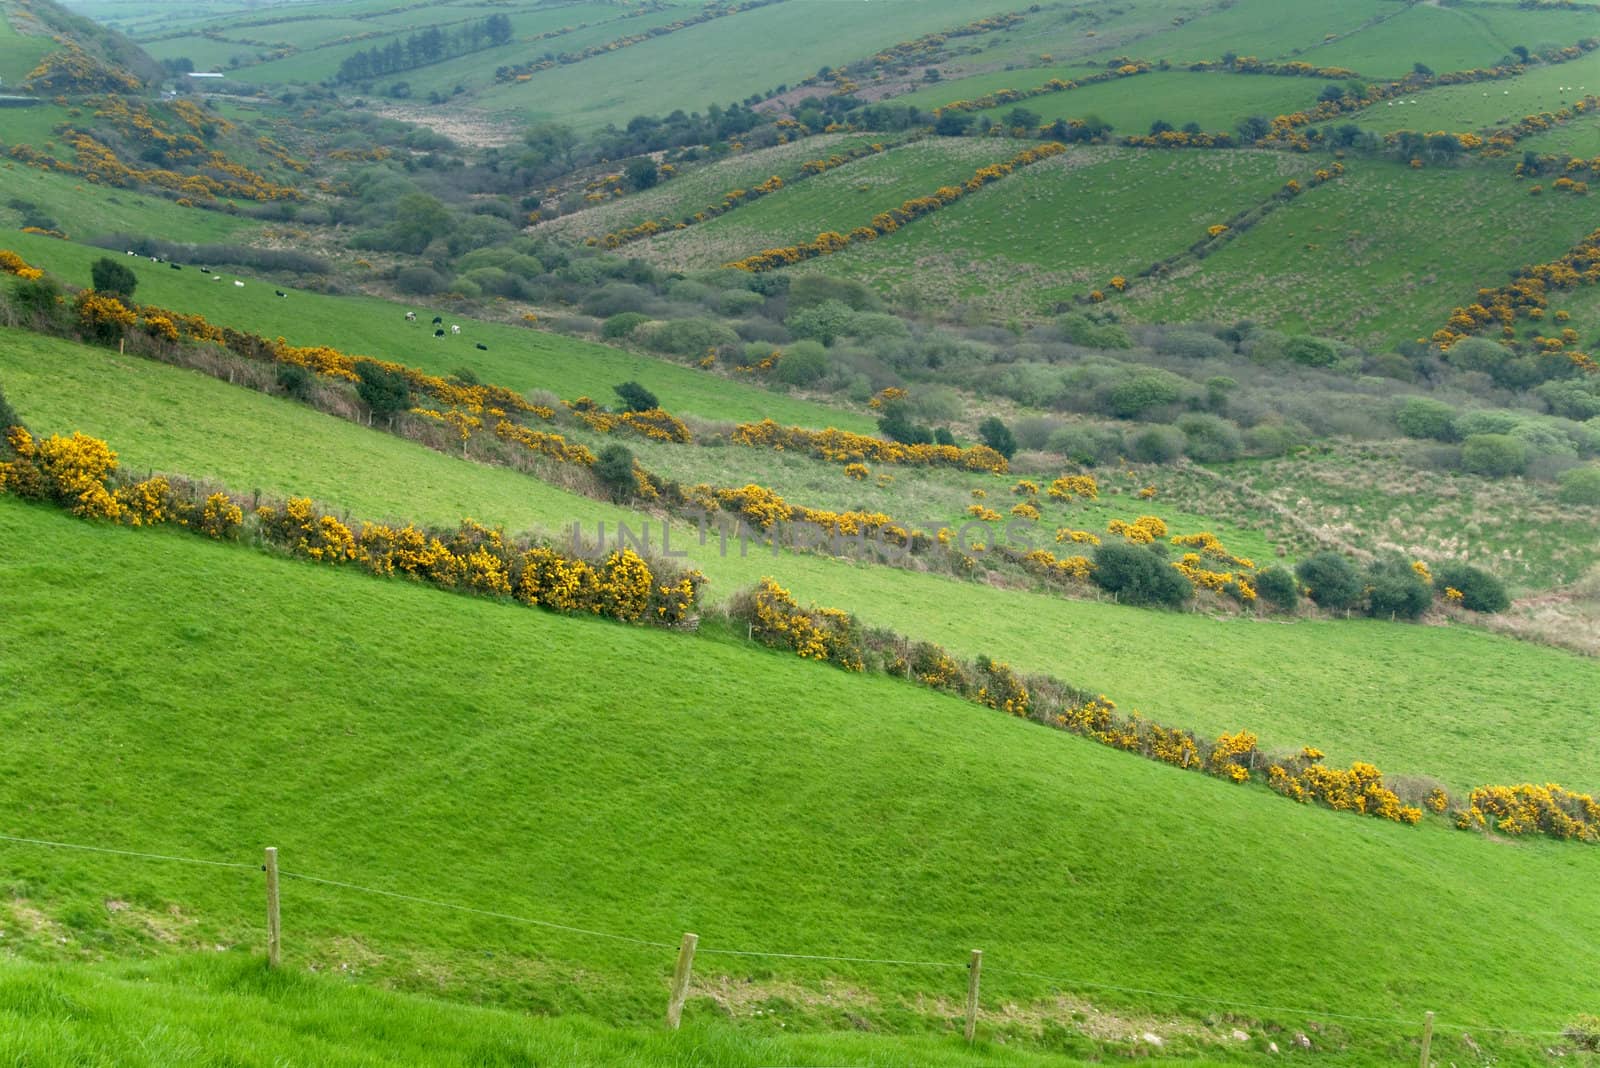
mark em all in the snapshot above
pixel 1058 983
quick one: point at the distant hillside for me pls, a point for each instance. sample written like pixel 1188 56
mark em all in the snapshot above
pixel 87 57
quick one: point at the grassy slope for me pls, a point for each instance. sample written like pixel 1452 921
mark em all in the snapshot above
pixel 840 200
pixel 1449 38
pixel 18 54
pixel 87 210
pixel 1477 105
pixel 1341 259
pixel 1215 101
pixel 1452 702
pixel 239 699
pixel 682 73
pixel 517 357
pixel 703 186
pixel 232 1013
pixel 1058 229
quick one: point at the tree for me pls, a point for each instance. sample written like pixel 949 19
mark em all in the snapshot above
pixel 1494 455
pixel 952 124
pixel 1423 417
pixel 635 398
pixel 419 220
pixel 942 436
pixel 614 468
pixel 1396 590
pixel 1581 485
pixel 549 143
pixel 1480 591
pixel 114 278
pixel 1159 127
pixel 1278 588
pixel 1022 117
pixel 385 392
pixel 1139 576
pixel 1311 351
pixel 498 28
pixel 825 322
pixel 1331 580
pixel 998 436
pixel 641 173
pixel 1253 128
pixel 896 425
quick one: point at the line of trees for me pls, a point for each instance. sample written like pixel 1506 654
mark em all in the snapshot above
pixel 432 45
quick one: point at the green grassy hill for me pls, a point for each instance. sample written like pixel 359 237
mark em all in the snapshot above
pixel 479 740
pixel 206 1013
pixel 516 356
pixel 1452 702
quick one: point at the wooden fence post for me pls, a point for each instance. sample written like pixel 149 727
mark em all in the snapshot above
pixel 974 970
pixel 680 980
pixel 274 931
pixel 1427 1038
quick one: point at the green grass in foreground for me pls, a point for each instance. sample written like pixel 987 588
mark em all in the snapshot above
pixel 1447 701
pixel 230 1012
pixel 645 783
pixel 521 358
pixel 85 210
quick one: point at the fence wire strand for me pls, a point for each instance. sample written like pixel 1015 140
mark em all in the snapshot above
pixel 131 853
pixel 1058 982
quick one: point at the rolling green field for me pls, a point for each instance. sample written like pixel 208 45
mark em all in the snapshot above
pixel 19 54
pixel 703 186
pixel 87 210
pixel 1215 101
pixel 840 200
pixel 1453 699
pixel 590 94
pixel 600 22
pixel 1338 260
pixel 231 1012
pixel 1060 228
pixel 521 358
pixel 391 766
pixel 1450 38
pixel 1475 106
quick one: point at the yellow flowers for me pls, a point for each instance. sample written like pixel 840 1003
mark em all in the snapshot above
pixel 1420 567
pixel 857 471
pixel 1453 595
pixel 825 634
pixel 1216 231
pixel 1025 510
pixel 1550 810
pixel 846 447
pixel 1025 488
pixel 11 263
pixel 1142 531
pixel 1070 486
pixel 1080 537
pixel 983 514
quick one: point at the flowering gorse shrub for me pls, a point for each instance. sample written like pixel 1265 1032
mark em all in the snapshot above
pixel 826 634
pixel 847 447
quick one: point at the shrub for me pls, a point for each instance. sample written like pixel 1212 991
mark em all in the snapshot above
pixel 384 391
pixel 295 381
pixel 420 281
pixel 1138 576
pixel 1192 345
pixel 825 322
pixel 1209 438
pixel 1494 455
pixel 1311 351
pixel 635 398
pixel 8 415
pixel 688 337
pixel 802 365
pixel 113 277
pixel 1480 591
pixel 1278 588
pixel 1331 580
pixel 1581 486
pixel 998 436
pixel 622 324
pixel 1081 330
pixel 1141 393
pixel 1422 417
pixel 807 290
pixel 614 468
pixel 1156 445
pixel 1395 589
